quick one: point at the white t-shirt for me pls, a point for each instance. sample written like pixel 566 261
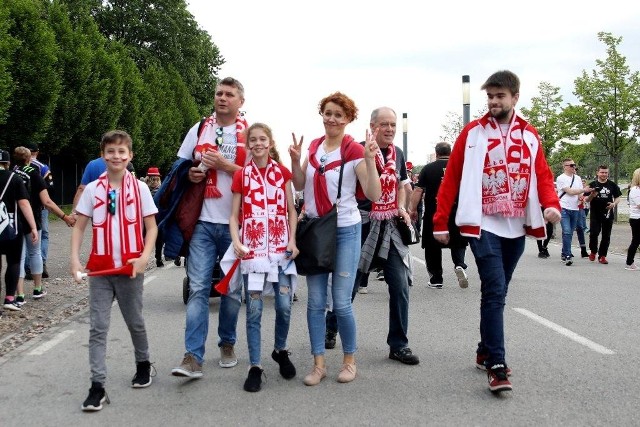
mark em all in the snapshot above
pixel 217 210
pixel 634 202
pixel 85 207
pixel 348 213
pixel 568 201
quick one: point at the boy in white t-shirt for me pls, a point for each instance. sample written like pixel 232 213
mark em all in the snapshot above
pixel 119 206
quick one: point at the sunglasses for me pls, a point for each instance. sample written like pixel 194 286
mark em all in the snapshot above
pixel 323 161
pixel 111 206
pixel 219 136
pixel 572 165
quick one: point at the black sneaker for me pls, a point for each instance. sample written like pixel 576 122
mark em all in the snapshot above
pixel 11 305
pixel 159 263
pixel 254 380
pixel 144 371
pixel 97 396
pixel 287 370
pixel 543 254
pixel 176 262
pixel 45 273
pixel 404 355
pixel 584 253
pixel 39 293
pixel 330 339
pixel 498 379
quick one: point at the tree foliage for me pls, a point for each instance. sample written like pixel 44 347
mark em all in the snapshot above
pixel 545 115
pixel 609 103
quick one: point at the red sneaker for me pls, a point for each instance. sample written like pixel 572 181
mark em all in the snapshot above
pixel 592 256
pixel 481 360
pixel 498 379
pixel 603 260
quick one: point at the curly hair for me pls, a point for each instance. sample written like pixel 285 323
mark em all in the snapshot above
pixel 342 100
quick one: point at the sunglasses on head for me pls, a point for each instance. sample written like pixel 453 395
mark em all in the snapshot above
pixel 111 205
pixel 219 136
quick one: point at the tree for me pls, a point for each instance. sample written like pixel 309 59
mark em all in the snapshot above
pixel 36 82
pixel 164 33
pixel 545 115
pixel 8 45
pixel 453 126
pixel 609 107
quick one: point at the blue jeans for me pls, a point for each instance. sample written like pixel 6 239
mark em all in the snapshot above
pixel 209 241
pixel 282 292
pixel 44 242
pixel 31 252
pixel 496 258
pixel 343 278
pixel 568 222
pixel 396 274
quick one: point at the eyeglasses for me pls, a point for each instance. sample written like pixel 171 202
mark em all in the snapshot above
pixel 112 202
pixel 572 165
pixel 323 161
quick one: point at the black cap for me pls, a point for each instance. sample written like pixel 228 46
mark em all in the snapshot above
pixel 4 156
pixel 32 146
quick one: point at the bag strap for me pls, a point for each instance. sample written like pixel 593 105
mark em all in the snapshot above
pixel 340 182
pixel 572 179
pixel 13 173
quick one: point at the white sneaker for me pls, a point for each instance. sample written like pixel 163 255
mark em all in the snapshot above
pixel 362 290
pixel 631 267
pixel 463 280
pixel 11 305
pixel 434 285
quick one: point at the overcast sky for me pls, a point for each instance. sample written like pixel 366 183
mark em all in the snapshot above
pixel 408 55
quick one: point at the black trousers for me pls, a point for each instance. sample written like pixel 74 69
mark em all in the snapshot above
pixel 12 250
pixel 599 224
pixel 433 259
pixel 635 239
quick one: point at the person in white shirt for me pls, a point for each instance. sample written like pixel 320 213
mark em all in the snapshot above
pixel 569 186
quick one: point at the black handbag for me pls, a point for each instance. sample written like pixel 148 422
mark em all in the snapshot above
pixel 408 232
pixel 316 240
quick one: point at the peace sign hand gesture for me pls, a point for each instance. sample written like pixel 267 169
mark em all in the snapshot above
pixel 371 146
pixel 295 150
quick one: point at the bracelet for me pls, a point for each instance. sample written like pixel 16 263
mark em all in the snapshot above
pixel 63 215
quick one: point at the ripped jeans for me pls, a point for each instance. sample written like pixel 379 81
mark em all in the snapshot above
pixel 342 281
pixel 283 297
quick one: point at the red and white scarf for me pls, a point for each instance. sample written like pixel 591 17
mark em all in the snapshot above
pixel 349 150
pixel 265 229
pixel 387 206
pixel 506 174
pixel 129 211
pixel 207 142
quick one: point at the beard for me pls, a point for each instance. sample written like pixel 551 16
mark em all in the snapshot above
pixel 502 114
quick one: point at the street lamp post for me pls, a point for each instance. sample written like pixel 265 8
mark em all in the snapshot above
pixel 404 136
pixel 466 101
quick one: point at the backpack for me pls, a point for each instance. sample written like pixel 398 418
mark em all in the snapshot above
pixel 8 226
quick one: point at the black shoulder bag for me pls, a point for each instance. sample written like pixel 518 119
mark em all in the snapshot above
pixel 316 240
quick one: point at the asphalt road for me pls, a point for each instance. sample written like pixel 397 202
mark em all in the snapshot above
pixel 571 340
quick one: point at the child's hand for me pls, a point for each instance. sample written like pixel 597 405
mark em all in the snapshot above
pixel 139 265
pixel 76 268
pixel 240 250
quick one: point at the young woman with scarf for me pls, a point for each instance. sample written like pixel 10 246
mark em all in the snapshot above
pixel 318 175
pixel 263 220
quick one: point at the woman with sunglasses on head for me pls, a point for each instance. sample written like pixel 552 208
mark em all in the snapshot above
pixel 319 175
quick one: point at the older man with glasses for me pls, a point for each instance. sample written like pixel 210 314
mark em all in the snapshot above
pixel 569 186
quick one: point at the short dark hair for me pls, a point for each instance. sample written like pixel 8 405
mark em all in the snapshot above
pixel 603 167
pixel 503 79
pixel 443 149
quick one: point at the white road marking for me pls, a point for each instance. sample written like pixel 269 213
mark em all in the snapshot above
pixel 44 347
pixel 564 331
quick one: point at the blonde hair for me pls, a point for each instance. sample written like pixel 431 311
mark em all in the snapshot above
pixel 635 180
pixel 22 155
